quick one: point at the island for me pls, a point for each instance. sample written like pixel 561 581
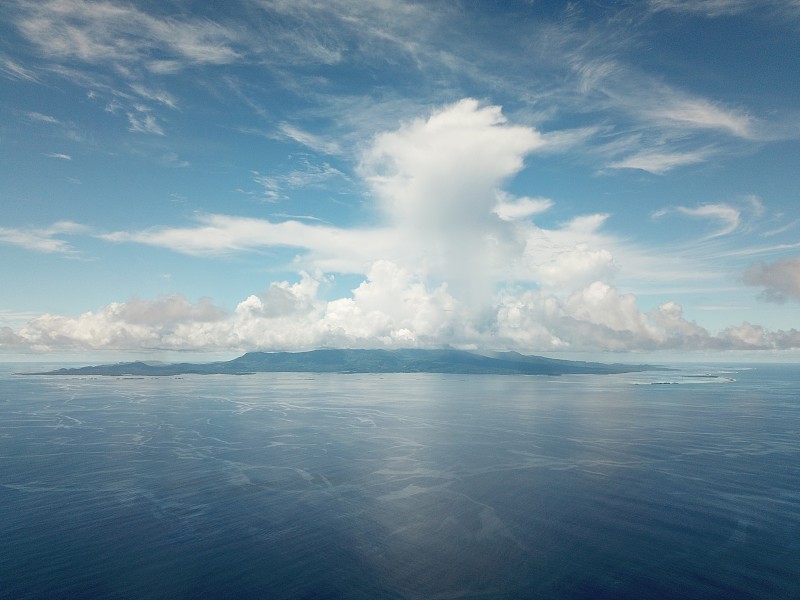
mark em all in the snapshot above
pixel 365 361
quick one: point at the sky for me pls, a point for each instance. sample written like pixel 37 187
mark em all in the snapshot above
pixel 194 178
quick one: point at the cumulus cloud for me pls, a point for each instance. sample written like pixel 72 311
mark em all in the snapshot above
pixel 437 181
pixel 780 279
pixel 391 308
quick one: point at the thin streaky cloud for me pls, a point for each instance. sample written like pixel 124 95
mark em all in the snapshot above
pixel 659 163
pixel 44 240
pixel 106 32
pixel 42 118
pixel 314 142
pixel 776 9
pixel 161 97
pixel 784 228
pixel 14 70
pixel 143 122
pixel 702 114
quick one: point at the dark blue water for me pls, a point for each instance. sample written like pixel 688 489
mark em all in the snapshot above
pixel 402 486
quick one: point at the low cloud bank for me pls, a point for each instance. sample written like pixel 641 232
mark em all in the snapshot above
pixel 391 308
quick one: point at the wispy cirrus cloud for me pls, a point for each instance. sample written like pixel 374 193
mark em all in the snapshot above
pixel 700 113
pixel 45 239
pixel 42 118
pixel 311 174
pixel 58 155
pixel 12 69
pixel 721 8
pixel 660 163
pixel 141 120
pixel 711 8
pixel 726 216
pixel 103 32
pixel 158 96
pixel 314 142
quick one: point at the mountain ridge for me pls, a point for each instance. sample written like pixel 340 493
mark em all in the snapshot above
pixel 412 360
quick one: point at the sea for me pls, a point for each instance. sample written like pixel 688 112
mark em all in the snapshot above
pixel 672 484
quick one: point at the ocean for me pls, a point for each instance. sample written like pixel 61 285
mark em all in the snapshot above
pixel 681 484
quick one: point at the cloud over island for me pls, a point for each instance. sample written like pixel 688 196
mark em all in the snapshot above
pixel 454 260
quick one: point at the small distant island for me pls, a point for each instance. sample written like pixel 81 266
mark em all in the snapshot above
pixel 365 361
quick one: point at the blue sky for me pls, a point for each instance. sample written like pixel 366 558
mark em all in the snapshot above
pixel 549 177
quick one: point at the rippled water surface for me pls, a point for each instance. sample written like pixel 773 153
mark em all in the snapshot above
pixel 683 484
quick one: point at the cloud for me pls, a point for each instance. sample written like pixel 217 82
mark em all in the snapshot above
pixel 58 155
pixel 330 248
pixel 782 9
pixel 727 216
pixel 314 142
pixel 44 240
pixel 391 308
pixel 454 260
pixel 394 307
pixel 105 32
pixel 711 8
pixel 703 114
pixel 142 121
pixel 168 322
pixel 437 182
pixel 659 163
pixel 436 188
pixel 780 279
pixel 158 96
pixel 41 118
pixel 311 175
pixel 754 337
pixel 167 311
pixel 511 209
pixel 14 70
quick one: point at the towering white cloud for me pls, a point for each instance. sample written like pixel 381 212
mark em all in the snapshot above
pixel 437 182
